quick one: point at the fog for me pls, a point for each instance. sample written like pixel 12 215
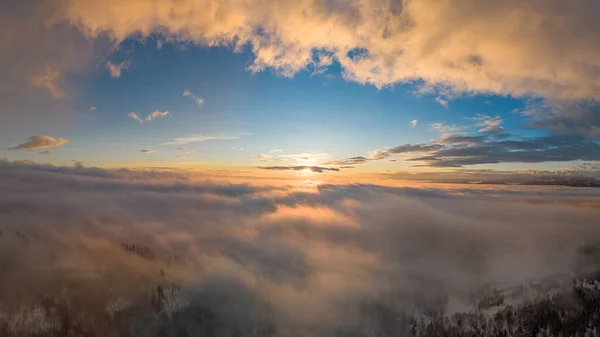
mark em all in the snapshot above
pixel 300 261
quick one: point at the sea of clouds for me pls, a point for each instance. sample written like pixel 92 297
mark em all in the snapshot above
pixel 299 260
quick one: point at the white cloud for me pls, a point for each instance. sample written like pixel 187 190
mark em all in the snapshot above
pixel 116 69
pixel 502 47
pixel 203 138
pixel 446 129
pixel 135 116
pixel 150 117
pixel 489 124
pixel 414 123
pixel 39 142
pixel 275 150
pixel 199 101
pixel 306 157
pixel 49 81
pixel 157 114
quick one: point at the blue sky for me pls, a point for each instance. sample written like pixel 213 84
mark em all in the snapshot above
pixel 358 93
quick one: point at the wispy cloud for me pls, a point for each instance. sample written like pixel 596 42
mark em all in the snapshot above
pixel 275 151
pixel 147 151
pixel 115 70
pixel 240 148
pixel 489 124
pixel 157 114
pixel 39 142
pixel 199 100
pixel 185 149
pixel 266 158
pixel 414 123
pixel 203 138
pixel 150 117
pixel 92 108
pixel 49 81
pixel 135 116
pixel 306 157
pixel 348 161
pixel 445 128
pixel 315 169
pixel 47 152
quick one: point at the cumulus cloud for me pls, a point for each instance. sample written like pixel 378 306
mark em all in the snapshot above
pixel 115 69
pixel 414 123
pixel 198 100
pixel 502 47
pixel 203 138
pixel 49 81
pixel 140 247
pixel 39 142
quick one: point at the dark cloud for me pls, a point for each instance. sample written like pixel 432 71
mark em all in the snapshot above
pixel 349 161
pixel 577 119
pixel 317 169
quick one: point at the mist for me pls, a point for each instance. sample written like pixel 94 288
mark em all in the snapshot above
pixel 160 253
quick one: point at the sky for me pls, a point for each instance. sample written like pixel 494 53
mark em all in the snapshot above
pixel 378 86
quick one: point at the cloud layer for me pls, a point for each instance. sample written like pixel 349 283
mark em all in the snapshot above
pixel 300 260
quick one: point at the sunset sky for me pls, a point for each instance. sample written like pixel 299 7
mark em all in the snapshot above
pixel 357 86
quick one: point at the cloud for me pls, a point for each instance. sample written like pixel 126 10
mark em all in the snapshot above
pixel 240 148
pixel 39 142
pixel 92 108
pixel 275 150
pixel 47 152
pixel 502 47
pixel 115 69
pixel 203 138
pixel 48 80
pixel 403 149
pixel 489 124
pixel 306 157
pixel 414 123
pixel 572 118
pixel 446 129
pixel 147 151
pixel 340 258
pixel 266 158
pixel 199 101
pixel 348 161
pixel 157 114
pixel 135 116
pixel 185 149
pixel 316 169
pixel 150 117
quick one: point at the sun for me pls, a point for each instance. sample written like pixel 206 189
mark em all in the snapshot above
pixel 306 172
